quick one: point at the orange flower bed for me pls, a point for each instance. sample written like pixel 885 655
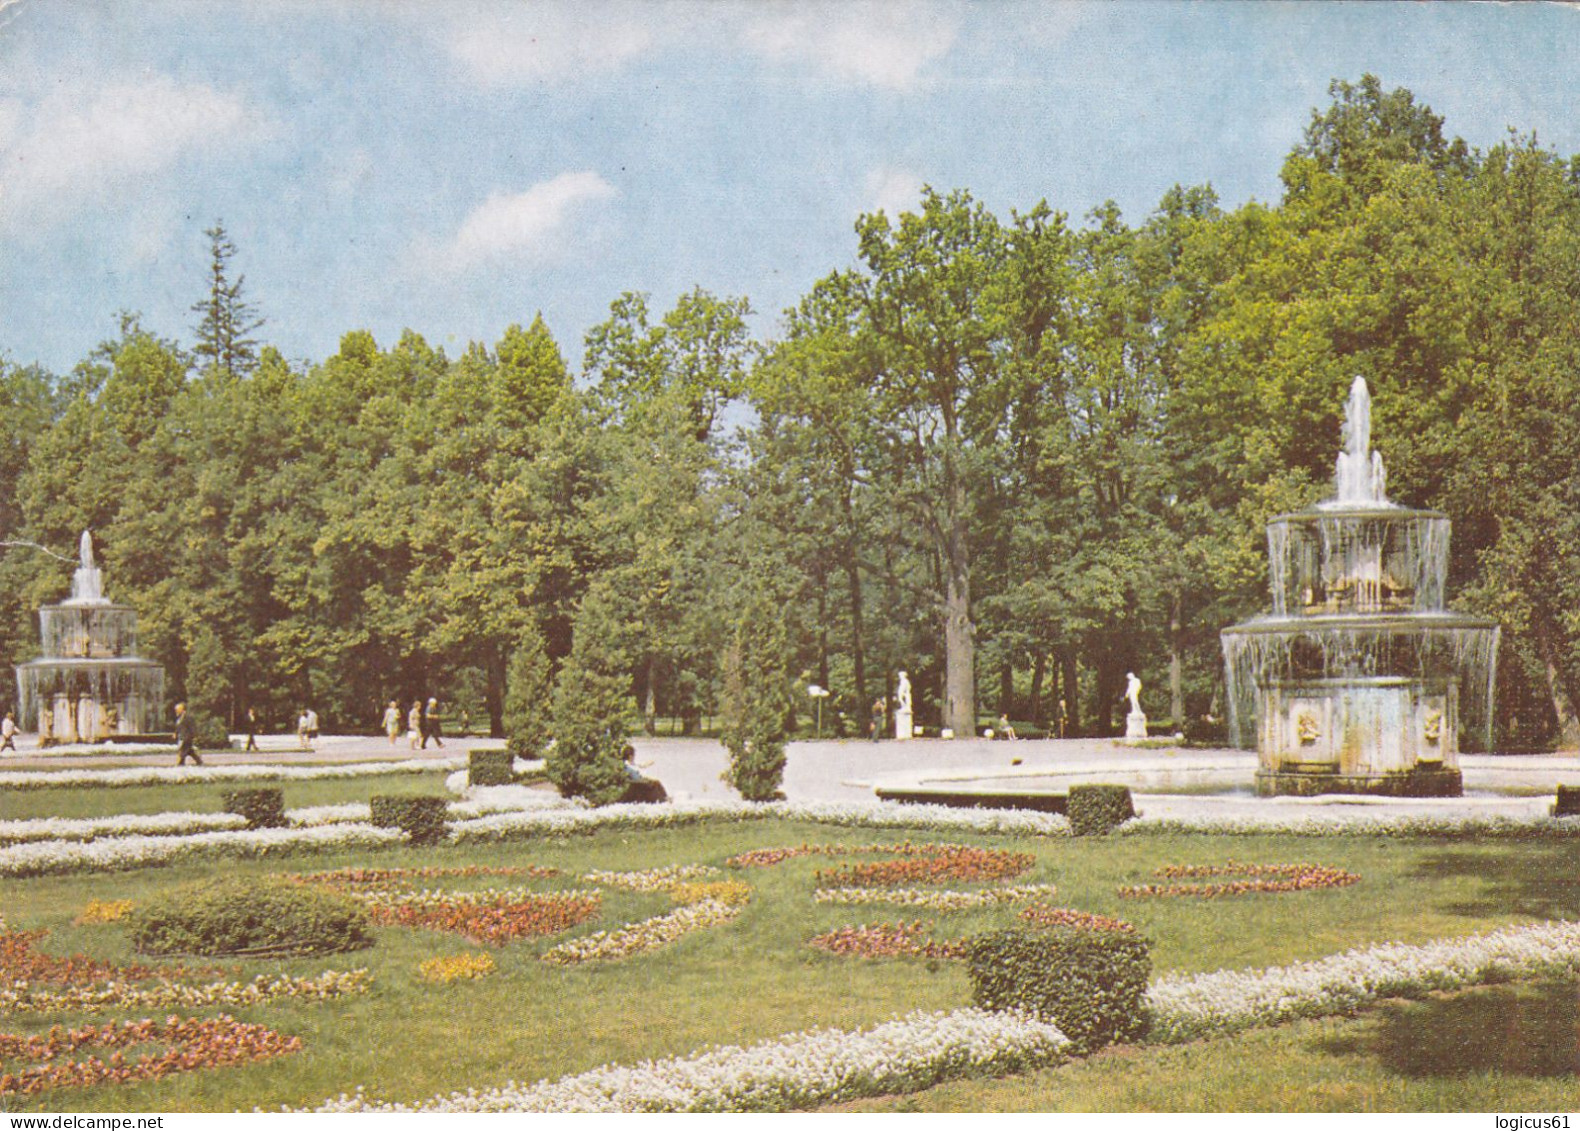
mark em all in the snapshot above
pixel 20 962
pixel 1041 915
pixel 192 1044
pixel 1262 878
pixel 886 940
pixel 494 921
pixel 936 864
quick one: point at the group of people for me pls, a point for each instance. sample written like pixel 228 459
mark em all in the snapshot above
pixel 422 723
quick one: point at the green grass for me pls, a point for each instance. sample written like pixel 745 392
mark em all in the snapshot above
pixel 1503 1048
pixel 756 978
pixel 202 797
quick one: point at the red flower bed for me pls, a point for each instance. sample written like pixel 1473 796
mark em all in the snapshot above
pixel 886 940
pixel 936 864
pixel 20 962
pixel 1041 915
pixel 192 1044
pixel 494 921
pixel 1263 878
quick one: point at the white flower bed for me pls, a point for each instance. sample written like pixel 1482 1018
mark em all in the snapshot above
pixel 351 812
pixel 1185 1007
pixel 654 879
pixel 483 800
pixel 936 900
pixel 1356 824
pixel 21 997
pixel 128 824
pixel 186 775
pixel 874 814
pixel 55 856
pixel 801 1070
pixel 648 934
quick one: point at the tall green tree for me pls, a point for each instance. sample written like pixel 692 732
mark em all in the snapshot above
pixel 227 319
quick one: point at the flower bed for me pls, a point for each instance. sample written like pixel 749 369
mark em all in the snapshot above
pixel 125 824
pixel 113 994
pixel 800 1070
pixel 944 901
pixel 1357 824
pixel 886 940
pixel 1187 1007
pixel 1263 878
pixel 185 775
pixel 377 878
pixel 1041 915
pixel 449 968
pixel 649 934
pixel 192 1044
pixel 652 880
pixel 491 917
pixel 930 864
pixel 104 911
pixel 22 962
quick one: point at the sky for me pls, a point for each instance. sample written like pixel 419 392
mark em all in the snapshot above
pixel 455 166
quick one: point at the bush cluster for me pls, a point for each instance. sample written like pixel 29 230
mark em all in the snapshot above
pixel 1089 981
pixel 1567 804
pixel 420 818
pixel 1096 810
pixel 209 733
pixel 489 767
pixel 246 916
pixel 263 808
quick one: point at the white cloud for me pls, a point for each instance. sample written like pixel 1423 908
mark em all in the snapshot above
pixel 878 43
pixel 893 191
pixel 73 149
pixel 525 225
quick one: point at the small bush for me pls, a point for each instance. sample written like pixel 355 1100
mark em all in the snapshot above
pixel 1096 810
pixel 1091 982
pixel 209 733
pixel 249 917
pixel 489 767
pixel 1567 803
pixel 421 818
pixel 263 808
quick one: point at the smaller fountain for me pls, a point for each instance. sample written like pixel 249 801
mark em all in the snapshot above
pixel 89 685
pixel 1361 680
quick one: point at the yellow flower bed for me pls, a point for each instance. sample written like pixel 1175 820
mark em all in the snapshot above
pixel 731 893
pixel 453 966
pixel 105 911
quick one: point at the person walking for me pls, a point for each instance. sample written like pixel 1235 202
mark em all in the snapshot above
pixel 880 713
pixel 8 732
pixel 312 727
pixel 302 725
pixel 430 725
pixel 392 722
pixel 252 730
pixel 414 723
pixel 186 737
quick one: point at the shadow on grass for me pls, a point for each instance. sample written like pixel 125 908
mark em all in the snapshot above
pixel 1539 880
pixel 1525 1030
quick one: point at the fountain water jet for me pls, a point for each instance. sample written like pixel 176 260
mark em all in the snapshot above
pixel 1360 680
pixel 90 685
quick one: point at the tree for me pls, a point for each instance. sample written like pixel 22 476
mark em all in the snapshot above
pixel 757 699
pixel 227 318
pixel 529 688
pixel 592 705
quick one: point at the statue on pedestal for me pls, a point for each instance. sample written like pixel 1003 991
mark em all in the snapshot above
pixel 902 708
pixel 1136 720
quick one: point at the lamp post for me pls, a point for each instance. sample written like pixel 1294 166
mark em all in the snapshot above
pixel 818 694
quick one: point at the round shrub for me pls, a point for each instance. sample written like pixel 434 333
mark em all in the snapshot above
pixel 249 917
pixel 1096 810
pixel 263 808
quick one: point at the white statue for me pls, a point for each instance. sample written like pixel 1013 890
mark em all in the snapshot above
pixel 903 727
pixel 1136 720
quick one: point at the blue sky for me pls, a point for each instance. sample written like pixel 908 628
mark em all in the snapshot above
pixel 457 165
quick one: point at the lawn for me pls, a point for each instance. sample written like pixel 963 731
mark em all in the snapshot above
pixel 757 978
pixel 204 797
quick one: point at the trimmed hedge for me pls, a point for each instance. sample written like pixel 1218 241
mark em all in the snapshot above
pixel 1090 982
pixel 263 808
pixel 249 917
pixel 1567 803
pixel 421 818
pixel 489 767
pixel 1096 810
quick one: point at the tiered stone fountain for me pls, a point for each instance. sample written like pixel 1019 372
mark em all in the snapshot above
pixel 1360 680
pixel 89 685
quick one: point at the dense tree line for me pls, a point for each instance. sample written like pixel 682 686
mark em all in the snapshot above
pixel 1016 456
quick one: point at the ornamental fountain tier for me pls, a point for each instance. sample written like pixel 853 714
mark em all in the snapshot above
pixel 1360 680
pixel 89 685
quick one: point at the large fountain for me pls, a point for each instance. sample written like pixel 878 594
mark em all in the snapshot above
pixel 1360 680
pixel 89 685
